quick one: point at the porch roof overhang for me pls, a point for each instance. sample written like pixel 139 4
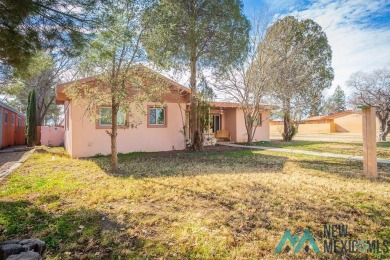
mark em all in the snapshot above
pixel 225 105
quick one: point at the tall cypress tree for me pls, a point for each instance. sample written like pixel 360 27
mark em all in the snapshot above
pixel 31 119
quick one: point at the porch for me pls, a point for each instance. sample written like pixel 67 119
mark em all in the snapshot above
pixel 222 123
pixel 227 124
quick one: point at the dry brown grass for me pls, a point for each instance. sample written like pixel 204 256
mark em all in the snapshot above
pixel 222 203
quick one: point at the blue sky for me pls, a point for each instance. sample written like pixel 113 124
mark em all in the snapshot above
pixel 358 31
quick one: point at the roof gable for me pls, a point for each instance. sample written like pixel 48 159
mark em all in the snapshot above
pixel 182 90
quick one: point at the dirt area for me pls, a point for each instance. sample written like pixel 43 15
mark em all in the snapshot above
pixel 8 159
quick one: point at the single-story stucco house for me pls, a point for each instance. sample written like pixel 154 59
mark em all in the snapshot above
pixel 161 127
pixel 348 121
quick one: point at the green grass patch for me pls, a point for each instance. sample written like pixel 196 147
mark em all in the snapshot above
pixel 348 148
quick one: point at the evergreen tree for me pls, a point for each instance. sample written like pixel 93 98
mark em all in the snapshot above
pixel 300 60
pixel 193 35
pixel 31 120
pixel 30 25
pixel 335 103
pixel 339 99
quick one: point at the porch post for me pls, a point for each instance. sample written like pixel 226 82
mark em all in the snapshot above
pixel 370 164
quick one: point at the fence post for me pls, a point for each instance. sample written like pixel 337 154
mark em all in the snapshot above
pixel 370 164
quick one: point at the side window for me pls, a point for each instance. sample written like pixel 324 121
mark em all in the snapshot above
pixel 6 117
pixel 258 121
pixel 157 117
pixel 13 119
pixel 105 117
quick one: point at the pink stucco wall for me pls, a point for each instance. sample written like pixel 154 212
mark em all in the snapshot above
pixel 229 122
pixel 52 136
pixel 83 139
pixel 68 127
pixel 262 132
pixel 233 121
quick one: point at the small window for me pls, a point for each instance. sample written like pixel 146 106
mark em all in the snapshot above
pixel 19 121
pixel 258 121
pixel 105 117
pixel 6 117
pixel 157 116
pixel 13 119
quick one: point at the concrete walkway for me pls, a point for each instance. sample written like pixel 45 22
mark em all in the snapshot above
pixel 283 150
pixel 16 148
pixel 4 173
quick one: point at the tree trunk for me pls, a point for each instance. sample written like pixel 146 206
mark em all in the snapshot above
pixel 113 135
pixel 384 129
pixel 287 131
pixel 194 126
pixel 249 128
pixel 250 137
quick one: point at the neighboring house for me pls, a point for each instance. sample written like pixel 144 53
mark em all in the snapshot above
pixel 161 128
pixel 12 125
pixel 343 122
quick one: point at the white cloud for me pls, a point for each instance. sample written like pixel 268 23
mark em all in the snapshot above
pixel 356 44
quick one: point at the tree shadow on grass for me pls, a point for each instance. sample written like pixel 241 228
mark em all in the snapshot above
pixel 345 168
pixel 225 200
pixel 213 160
pixel 71 234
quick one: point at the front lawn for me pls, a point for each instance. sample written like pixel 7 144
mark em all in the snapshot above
pixel 349 148
pixel 223 203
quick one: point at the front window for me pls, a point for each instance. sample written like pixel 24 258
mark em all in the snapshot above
pixel 105 115
pixel 157 116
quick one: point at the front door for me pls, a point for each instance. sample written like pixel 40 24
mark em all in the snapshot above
pixel 216 123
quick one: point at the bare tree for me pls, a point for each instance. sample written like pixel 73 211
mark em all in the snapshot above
pixel 113 59
pixel 245 82
pixel 373 89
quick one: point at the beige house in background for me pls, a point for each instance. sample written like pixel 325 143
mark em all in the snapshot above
pixel 161 127
pixel 343 122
